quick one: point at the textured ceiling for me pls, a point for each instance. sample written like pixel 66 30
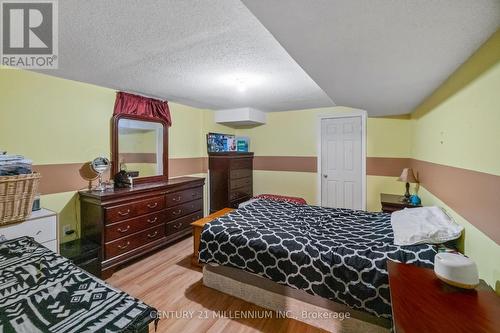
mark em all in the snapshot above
pixel 210 54
pixel 384 56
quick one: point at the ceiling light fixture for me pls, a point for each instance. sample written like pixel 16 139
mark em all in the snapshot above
pixel 241 88
pixel 241 81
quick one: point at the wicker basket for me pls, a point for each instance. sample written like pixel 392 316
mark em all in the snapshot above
pixel 16 197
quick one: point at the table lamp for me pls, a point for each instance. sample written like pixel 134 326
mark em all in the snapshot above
pixel 408 177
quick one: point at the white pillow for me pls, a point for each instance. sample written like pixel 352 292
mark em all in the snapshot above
pixel 423 225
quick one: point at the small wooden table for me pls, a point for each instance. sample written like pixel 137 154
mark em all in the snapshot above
pixel 393 202
pixel 198 227
pixel 423 303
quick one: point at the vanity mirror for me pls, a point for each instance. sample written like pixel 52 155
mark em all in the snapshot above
pixel 139 146
pixel 100 165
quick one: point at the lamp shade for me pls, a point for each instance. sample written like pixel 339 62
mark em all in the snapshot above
pixel 408 176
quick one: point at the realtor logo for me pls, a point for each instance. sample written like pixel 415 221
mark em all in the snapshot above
pixel 29 34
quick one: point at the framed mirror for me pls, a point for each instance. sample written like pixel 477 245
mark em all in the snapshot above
pixel 140 147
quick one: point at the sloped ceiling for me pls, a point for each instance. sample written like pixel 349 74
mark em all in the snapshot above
pixel 209 54
pixel 384 56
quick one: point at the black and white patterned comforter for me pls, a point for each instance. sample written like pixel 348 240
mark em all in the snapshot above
pixel 339 254
pixel 41 291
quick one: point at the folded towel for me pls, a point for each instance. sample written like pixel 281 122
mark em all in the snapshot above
pixel 423 225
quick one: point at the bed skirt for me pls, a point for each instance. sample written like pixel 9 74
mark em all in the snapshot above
pixel 291 303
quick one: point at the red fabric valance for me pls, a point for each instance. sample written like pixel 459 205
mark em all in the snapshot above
pixel 142 106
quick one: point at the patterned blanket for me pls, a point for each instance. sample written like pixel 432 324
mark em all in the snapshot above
pixel 41 291
pixel 339 254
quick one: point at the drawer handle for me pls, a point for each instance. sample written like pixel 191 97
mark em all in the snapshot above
pixel 123 247
pixel 153 234
pixel 177 199
pixel 153 220
pixel 177 226
pixel 124 230
pixel 124 213
pixel 177 212
pixel 153 205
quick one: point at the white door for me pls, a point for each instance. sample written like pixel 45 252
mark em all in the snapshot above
pixel 341 163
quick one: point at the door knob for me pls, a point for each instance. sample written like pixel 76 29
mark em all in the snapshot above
pixel 325 176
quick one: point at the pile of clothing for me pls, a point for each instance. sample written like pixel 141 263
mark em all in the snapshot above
pixel 13 165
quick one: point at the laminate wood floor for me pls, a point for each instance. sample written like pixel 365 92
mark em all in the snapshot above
pixel 167 281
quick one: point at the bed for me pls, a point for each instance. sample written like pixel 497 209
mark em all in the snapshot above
pixel 40 291
pixel 337 254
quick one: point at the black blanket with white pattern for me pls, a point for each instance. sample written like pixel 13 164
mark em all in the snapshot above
pixel 40 291
pixel 339 254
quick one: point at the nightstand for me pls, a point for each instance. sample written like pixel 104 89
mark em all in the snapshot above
pixel 423 303
pixel 84 254
pixel 393 202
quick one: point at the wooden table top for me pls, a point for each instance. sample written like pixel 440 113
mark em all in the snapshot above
pixel 395 200
pixel 423 303
pixel 211 217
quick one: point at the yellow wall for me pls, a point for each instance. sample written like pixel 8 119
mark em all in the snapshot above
pixel 294 133
pixel 459 126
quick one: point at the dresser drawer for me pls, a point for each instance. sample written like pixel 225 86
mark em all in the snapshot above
pixel 128 227
pixel 183 223
pixel 176 198
pixel 242 182
pixel 133 241
pixel 42 229
pixel 241 163
pixel 184 209
pixel 240 173
pixel 245 191
pixel 127 211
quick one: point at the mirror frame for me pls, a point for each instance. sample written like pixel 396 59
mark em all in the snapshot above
pixel 115 163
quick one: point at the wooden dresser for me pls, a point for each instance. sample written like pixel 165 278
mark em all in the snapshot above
pixel 231 179
pixel 129 223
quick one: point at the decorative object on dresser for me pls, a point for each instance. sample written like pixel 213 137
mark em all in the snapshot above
pixel 423 303
pixel 198 227
pixel 130 222
pixel 87 173
pixel 41 225
pixel 393 202
pixel 100 165
pixel 84 254
pixel 407 176
pixel 231 179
